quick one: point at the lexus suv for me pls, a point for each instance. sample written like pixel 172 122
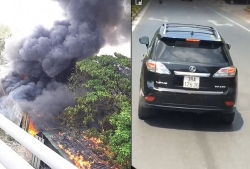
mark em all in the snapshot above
pixel 188 68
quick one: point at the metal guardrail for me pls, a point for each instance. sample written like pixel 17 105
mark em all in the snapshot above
pixel 48 156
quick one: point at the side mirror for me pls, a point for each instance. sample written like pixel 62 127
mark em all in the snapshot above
pixel 144 40
pixel 229 46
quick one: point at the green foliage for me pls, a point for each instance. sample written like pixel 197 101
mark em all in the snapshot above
pixel 103 95
pixel 4 34
pixel 135 8
pixel 121 140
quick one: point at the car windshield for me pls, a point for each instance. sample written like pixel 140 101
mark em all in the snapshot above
pixel 182 51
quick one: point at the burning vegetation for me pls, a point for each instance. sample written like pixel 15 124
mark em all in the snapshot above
pixel 79 151
pixel 77 159
pixel 43 63
pixel 104 112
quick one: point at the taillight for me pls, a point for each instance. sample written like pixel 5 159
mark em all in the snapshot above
pixel 157 67
pixel 193 40
pixel 149 98
pixel 226 72
pixel 229 103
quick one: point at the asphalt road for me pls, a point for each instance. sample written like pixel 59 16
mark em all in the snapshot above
pixel 183 140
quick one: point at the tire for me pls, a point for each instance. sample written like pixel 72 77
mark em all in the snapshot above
pixel 144 113
pixel 231 1
pixel 228 118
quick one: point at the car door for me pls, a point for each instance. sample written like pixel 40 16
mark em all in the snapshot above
pixel 147 56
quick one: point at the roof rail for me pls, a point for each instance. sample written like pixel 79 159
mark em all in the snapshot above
pixel 166 25
pixel 164 28
pixel 189 25
pixel 191 31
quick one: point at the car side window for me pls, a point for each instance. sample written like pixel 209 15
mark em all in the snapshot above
pixel 152 46
pixel 149 50
pixel 153 40
pixel 156 41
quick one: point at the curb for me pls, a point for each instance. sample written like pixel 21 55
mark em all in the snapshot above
pixel 221 3
pixel 135 15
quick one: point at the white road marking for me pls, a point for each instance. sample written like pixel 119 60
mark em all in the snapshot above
pixel 230 20
pixel 157 19
pixel 218 24
pixel 139 16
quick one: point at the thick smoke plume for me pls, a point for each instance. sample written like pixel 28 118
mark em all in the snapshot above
pixel 43 61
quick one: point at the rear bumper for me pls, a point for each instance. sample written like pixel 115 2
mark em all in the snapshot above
pixel 186 102
pixel 197 109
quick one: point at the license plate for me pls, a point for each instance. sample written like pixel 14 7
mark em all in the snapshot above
pixel 191 82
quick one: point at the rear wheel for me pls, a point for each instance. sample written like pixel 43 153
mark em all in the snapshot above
pixel 144 113
pixel 228 118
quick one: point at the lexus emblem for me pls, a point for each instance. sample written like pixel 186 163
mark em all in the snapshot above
pixel 192 69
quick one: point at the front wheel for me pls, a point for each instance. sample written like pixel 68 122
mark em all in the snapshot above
pixel 228 118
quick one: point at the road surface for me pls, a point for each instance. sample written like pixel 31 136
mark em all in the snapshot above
pixel 183 140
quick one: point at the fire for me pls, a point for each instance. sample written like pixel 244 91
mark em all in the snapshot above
pixel 94 140
pixel 36 113
pixel 25 77
pixel 96 143
pixel 32 130
pixel 79 161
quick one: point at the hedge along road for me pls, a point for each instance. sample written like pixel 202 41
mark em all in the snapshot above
pixel 183 140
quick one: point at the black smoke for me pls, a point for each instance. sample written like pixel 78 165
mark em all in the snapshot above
pixel 43 61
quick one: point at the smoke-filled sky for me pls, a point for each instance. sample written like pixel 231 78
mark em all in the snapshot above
pixel 45 56
pixel 22 16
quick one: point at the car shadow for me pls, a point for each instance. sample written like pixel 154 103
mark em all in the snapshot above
pixel 196 122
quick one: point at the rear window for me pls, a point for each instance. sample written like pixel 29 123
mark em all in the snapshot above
pixel 195 52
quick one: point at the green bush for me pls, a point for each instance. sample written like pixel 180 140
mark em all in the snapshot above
pixel 104 111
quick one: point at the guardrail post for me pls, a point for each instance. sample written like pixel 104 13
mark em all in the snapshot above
pixel 35 160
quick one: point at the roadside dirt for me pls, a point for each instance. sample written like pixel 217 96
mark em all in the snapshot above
pixel 19 149
pixel 235 9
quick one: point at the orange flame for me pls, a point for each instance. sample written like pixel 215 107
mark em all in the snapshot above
pixel 32 131
pixel 79 161
pixel 94 140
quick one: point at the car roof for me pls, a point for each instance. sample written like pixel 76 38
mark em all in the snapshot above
pixel 189 31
